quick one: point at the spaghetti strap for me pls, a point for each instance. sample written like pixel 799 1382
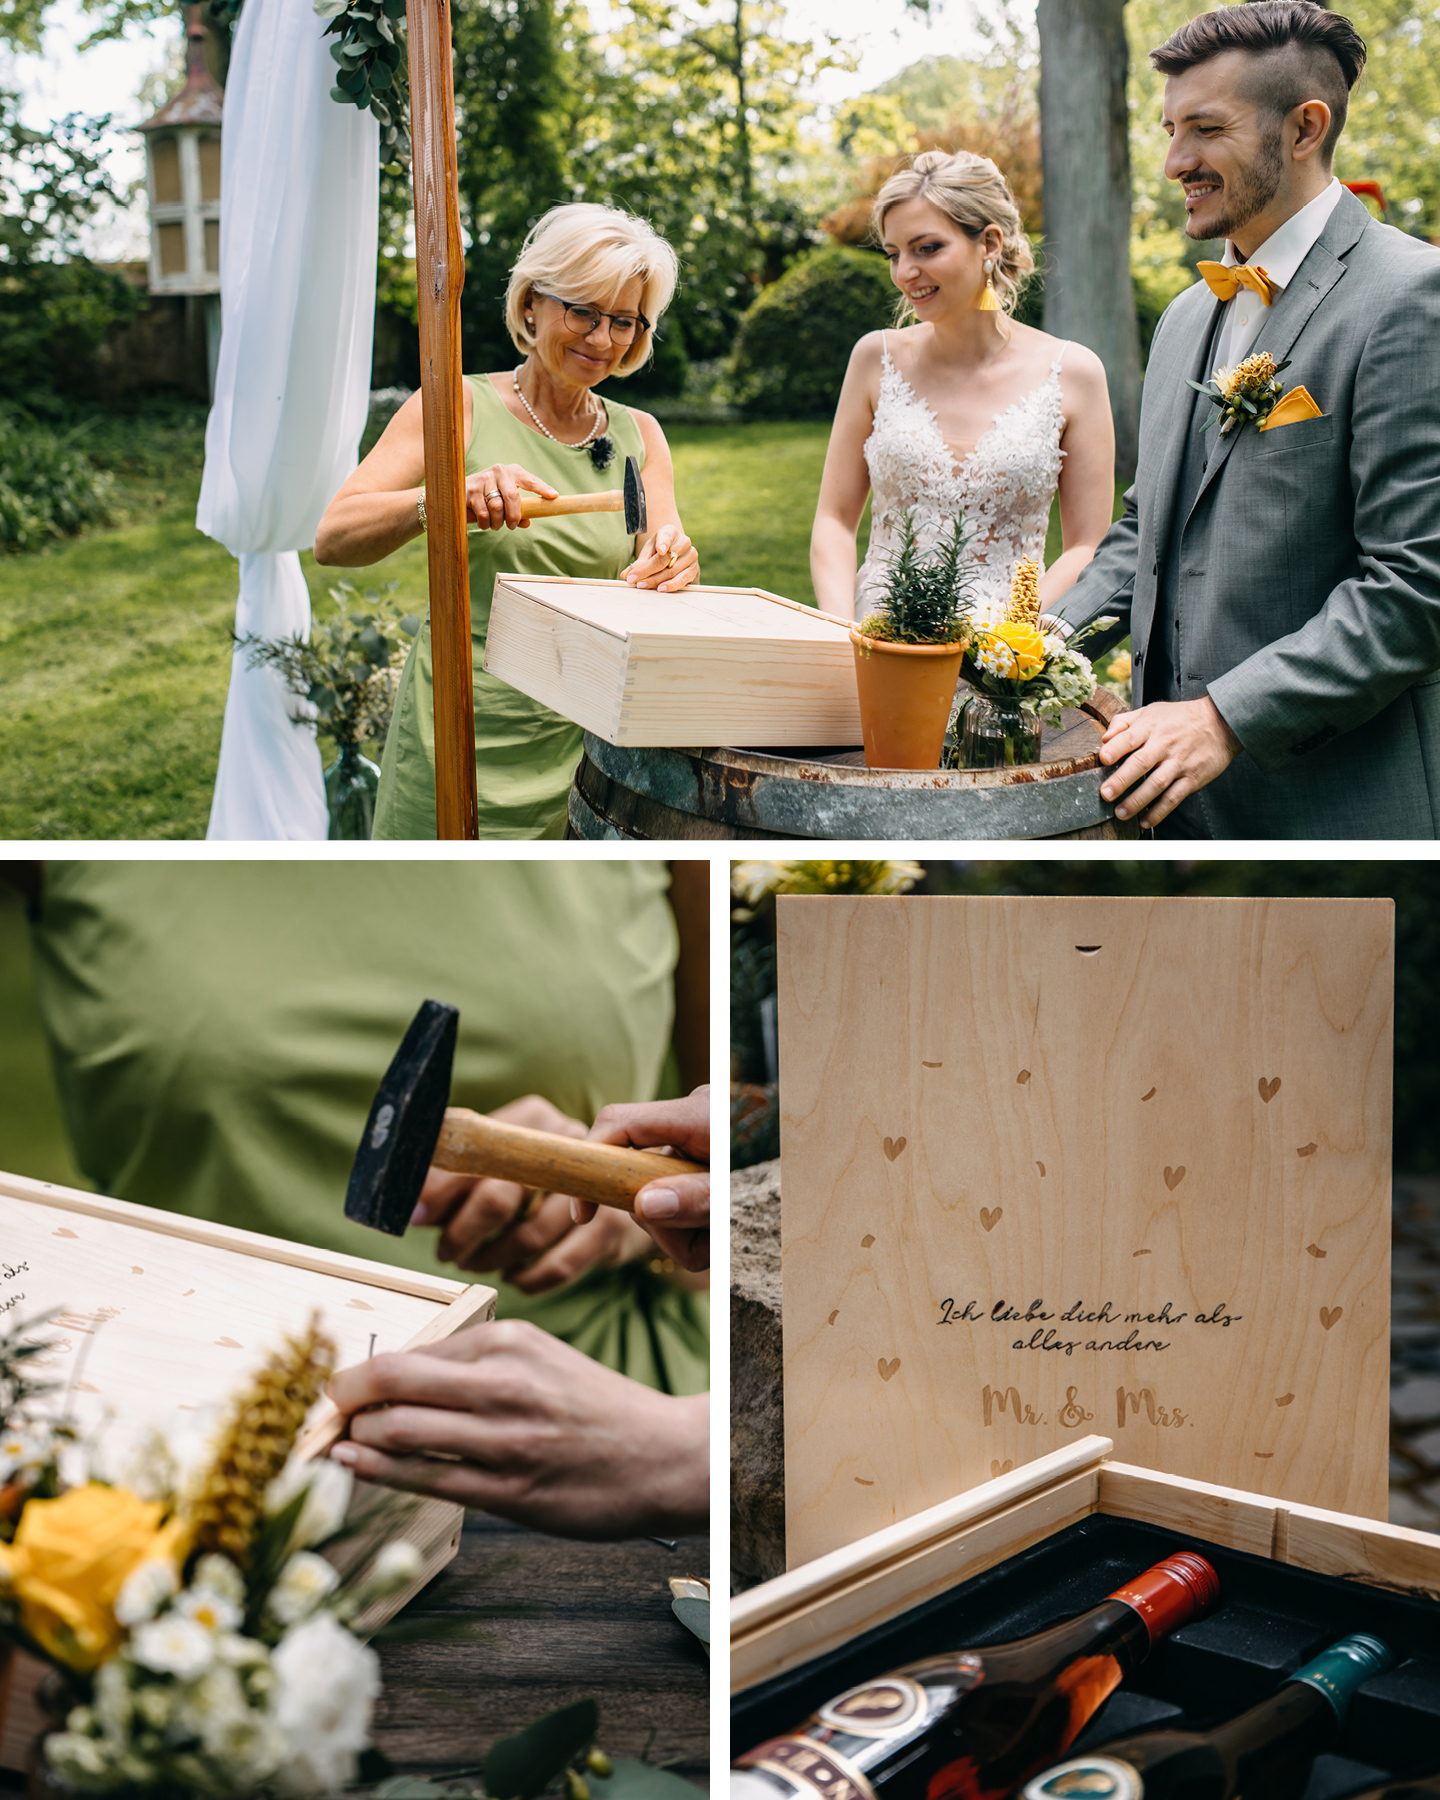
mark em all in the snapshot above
pixel 1055 366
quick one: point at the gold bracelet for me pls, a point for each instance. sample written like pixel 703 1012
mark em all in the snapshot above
pixel 420 508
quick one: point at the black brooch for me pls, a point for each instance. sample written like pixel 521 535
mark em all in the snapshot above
pixel 602 452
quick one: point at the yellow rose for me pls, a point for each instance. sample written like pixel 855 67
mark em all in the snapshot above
pixel 70 1559
pixel 1027 647
pixel 1120 666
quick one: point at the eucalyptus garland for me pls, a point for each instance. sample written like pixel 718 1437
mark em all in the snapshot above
pixel 369 48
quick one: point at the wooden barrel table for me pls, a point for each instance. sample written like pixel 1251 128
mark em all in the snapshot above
pixel 827 792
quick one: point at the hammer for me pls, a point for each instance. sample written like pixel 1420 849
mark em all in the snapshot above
pixel 629 499
pixel 410 1128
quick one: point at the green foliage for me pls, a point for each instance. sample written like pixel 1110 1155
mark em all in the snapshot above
pixel 795 342
pixel 925 591
pixel 347 669
pixel 55 305
pixel 372 69
pixel 49 488
pixel 524 1765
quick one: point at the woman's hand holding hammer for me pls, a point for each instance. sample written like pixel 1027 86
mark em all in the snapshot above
pixel 492 498
pixel 675 1210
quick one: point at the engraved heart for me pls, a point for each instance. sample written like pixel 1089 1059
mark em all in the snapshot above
pixel 887 1369
pixel 362 1305
pixel 84 1387
pixel 1022 1078
pixel 62 1232
pixel 1284 1399
pixel 188 1292
pixel 1173 1177
pixel 999 1468
pixel 1307 1149
pixel 867 1240
pixel 230 1343
pixel 833 1317
pixel 135 1269
pixel 1315 1251
pixel 1329 1315
pixel 1149 1096
pixel 990 1218
pixel 893 1147
pixel 1269 1089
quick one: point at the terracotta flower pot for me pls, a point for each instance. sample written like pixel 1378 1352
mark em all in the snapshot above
pixel 906 691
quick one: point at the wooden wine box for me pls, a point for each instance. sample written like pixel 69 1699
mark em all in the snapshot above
pixel 1043 1542
pixel 158 1319
pixel 709 665
pixel 1061 1166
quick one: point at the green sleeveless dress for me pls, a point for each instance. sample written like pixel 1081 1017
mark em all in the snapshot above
pixel 525 755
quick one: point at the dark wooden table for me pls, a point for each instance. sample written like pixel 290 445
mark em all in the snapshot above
pixel 601 1627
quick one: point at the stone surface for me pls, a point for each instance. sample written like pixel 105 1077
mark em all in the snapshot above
pixel 757 1433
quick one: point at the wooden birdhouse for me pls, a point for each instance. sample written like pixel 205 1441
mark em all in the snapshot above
pixel 182 167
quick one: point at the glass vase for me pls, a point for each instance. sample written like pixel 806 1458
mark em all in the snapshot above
pixel 351 783
pixel 995 733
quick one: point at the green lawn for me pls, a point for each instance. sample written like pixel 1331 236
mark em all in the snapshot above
pixel 115 648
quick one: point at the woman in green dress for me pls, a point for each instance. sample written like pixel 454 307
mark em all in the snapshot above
pixel 584 297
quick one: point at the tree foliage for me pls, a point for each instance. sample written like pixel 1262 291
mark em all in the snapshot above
pixel 794 344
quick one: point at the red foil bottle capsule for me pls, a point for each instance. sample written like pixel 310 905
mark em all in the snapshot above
pixel 975 1724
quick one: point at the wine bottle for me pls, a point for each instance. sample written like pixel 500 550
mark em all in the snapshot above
pixel 971 1725
pixel 1264 1754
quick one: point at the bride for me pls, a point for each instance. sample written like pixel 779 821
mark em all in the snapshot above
pixel 964 411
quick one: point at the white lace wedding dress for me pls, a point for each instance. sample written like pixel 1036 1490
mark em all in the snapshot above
pixel 1004 487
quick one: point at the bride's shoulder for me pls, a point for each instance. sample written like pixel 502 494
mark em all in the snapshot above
pixel 1076 364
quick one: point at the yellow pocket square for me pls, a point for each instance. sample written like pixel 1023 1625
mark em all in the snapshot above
pixel 1290 409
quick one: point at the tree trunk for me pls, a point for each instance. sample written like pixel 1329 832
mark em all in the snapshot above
pixel 1085 156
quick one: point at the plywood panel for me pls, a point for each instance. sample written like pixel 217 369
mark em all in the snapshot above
pixel 1064 1166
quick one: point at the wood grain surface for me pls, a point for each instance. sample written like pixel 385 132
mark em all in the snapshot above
pixel 439 278
pixel 709 665
pixel 1037 1154
pixel 601 1626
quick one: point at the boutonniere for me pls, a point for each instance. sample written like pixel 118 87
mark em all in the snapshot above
pixel 1249 391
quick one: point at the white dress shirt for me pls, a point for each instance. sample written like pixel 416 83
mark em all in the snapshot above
pixel 1280 256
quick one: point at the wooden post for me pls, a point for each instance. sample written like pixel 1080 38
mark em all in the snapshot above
pixel 440 275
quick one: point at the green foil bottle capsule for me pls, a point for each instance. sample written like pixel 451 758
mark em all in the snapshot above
pixel 1264 1754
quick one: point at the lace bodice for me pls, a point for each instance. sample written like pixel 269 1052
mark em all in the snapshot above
pixel 1004 487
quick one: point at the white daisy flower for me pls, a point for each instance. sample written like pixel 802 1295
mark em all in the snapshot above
pixel 218 1575
pixel 173 1646
pixel 304 1582
pixel 217 1612
pixel 146 1589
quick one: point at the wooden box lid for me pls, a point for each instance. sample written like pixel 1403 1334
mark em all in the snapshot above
pixel 711 665
pixel 1055 1166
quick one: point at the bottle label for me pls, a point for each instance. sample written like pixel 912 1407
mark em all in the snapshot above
pixel 879 1709
pixel 1096 1777
pixel 809 1768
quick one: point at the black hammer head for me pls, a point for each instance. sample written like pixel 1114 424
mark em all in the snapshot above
pixel 634 498
pixel 404 1123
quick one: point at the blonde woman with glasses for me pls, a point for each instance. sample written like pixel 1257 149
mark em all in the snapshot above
pixel 584 297
pixel 963 410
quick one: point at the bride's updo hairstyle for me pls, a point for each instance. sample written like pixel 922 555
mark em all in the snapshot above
pixel 971 192
pixel 585 254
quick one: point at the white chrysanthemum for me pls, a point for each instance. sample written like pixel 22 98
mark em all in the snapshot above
pixel 218 1575
pixel 989 610
pixel 304 1582
pixel 397 1565
pixel 327 1685
pixel 205 1707
pixel 22 1454
pixel 173 1646
pixel 248 1747
pixel 145 1590
pixel 241 1652
pixel 113 1700
pixel 155 1703
pixel 326 1486
pixel 207 1607
pixel 82 1761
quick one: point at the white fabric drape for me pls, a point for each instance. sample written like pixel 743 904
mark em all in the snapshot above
pixel 298 228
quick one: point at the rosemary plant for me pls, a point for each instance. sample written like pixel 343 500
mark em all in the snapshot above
pixel 925 591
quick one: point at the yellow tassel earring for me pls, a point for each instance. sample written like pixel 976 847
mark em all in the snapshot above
pixel 989 300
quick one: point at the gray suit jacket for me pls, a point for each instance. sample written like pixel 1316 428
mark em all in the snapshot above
pixel 1308 599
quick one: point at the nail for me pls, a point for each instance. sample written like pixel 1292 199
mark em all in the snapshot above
pixel 575 1212
pixel 419 1216
pixel 657 1203
pixel 1105 794
pixel 344 1453
pixel 1122 812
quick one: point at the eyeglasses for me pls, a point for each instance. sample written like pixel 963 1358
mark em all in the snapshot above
pixel 583 320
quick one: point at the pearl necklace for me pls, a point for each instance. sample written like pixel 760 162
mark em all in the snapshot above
pixel 584 443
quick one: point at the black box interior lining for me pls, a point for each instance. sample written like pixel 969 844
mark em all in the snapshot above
pixel 1271 1618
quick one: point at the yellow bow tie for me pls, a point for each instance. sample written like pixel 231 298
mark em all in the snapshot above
pixel 1225 282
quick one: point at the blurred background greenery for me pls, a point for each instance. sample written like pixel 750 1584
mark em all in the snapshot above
pixel 1413 886
pixel 32 1138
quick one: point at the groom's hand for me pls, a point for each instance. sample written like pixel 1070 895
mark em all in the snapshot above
pixel 1172 748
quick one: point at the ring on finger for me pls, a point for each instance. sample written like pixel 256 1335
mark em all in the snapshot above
pixel 493 494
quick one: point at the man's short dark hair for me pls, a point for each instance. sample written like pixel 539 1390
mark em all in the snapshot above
pixel 1303 51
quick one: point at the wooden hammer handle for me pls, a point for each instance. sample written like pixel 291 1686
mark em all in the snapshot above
pixel 533 507
pixel 472 1144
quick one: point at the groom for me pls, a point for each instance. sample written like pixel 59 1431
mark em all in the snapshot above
pixel 1281 586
